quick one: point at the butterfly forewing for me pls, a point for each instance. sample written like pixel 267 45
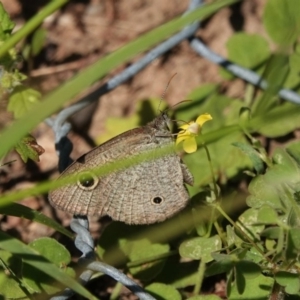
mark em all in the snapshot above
pixel 144 193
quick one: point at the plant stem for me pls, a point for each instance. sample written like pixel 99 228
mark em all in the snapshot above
pixel 221 235
pixel 241 232
pixel 150 259
pixel 116 292
pixel 32 24
pixel 200 276
pixel 11 274
pixel 249 94
pixel 211 170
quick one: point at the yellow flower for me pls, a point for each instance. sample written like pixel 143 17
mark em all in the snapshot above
pixel 189 132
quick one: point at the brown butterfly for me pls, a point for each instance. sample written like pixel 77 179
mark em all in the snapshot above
pixel 145 193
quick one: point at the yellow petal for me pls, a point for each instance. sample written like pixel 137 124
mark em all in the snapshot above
pixel 190 145
pixel 182 135
pixel 185 126
pixel 203 118
pixel 180 139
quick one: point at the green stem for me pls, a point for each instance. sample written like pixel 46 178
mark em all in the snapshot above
pixel 211 222
pixel 211 170
pixel 150 259
pixel 216 224
pixel 16 278
pixel 200 276
pixel 31 25
pixel 116 291
pixel 242 232
pixel 249 94
pixel 221 235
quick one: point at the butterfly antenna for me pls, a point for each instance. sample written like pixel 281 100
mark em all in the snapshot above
pixel 165 91
pixel 182 101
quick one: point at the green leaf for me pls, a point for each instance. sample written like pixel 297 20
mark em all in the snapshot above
pixel 22 100
pixel 248 50
pixel 179 274
pixel 281 244
pixel 253 155
pixel 271 233
pixel 221 256
pixel 38 40
pixel 289 280
pixel 28 148
pixel 274 187
pixel 145 112
pixel 270 245
pixel 281 20
pixel 30 25
pixel 219 267
pixel 111 242
pixel 254 255
pixel 6 25
pixel 201 228
pixel 52 250
pixel 10 79
pixel 141 250
pixel 261 193
pixel 293 288
pixel 293 149
pixel 257 288
pixel 297 199
pixel 205 297
pixel 190 110
pixel 40 263
pixel 230 283
pixel 249 220
pixel 120 244
pixel 19 210
pixel 293 217
pixel 240 281
pixel 267 215
pixel 244 116
pixel 238 254
pixel 293 78
pixel 232 238
pixel 249 269
pixel 37 280
pixel 200 248
pixel 278 121
pixel 10 282
pixel 163 292
pixel 275 74
pixel 293 244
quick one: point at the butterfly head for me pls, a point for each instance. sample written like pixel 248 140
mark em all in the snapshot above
pixel 162 122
